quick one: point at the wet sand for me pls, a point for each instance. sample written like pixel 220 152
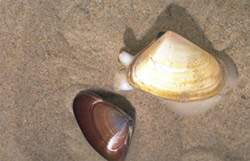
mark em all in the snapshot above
pixel 52 50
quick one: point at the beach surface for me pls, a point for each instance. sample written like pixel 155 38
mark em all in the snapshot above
pixel 51 50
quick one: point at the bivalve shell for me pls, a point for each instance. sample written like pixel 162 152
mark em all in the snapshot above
pixel 187 78
pixel 107 128
pixel 176 69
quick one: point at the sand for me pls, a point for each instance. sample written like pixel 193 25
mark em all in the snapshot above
pixel 51 50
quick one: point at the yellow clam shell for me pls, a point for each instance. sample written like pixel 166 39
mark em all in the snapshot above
pixel 176 69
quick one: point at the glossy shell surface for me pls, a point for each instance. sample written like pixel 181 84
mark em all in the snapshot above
pixel 174 68
pixel 105 126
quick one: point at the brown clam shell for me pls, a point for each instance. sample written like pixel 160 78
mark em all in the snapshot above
pixel 107 128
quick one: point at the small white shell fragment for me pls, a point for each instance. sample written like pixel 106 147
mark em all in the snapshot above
pixel 126 59
pixel 121 83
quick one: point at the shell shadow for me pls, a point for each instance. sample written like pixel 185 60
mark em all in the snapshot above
pixel 115 99
pixel 177 19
